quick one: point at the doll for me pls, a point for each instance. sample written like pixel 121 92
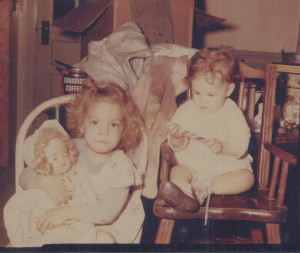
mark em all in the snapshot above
pixel 49 151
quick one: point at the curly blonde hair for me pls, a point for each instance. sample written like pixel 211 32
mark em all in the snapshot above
pixel 212 61
pixel 108 92
pixel 43 139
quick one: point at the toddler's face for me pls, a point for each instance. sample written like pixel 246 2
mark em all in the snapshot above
pixel 102 128
pixel 57 155
pixel 210 97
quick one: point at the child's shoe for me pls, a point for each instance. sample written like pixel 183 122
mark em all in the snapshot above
pixel 174 196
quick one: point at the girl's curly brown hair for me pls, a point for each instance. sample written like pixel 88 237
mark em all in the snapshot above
pixel 212 61
pixel 108 92
pixel 44 136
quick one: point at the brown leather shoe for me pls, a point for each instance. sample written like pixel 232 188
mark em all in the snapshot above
pixel 174 196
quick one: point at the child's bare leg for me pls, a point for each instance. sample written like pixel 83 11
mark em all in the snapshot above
pixel 181 174
pixel 234 182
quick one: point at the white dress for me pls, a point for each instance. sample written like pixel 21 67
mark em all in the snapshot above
pixel 23 210
pixel 226 124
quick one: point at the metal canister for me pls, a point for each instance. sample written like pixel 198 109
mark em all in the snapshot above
pixel 71 79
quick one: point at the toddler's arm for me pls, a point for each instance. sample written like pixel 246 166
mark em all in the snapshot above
pixel 218 147
pixel 52 185
pixel 104 212
pixel 177 138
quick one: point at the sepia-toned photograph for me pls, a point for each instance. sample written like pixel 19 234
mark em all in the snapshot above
pixel 149 125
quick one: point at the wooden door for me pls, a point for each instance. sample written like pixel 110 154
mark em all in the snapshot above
pixel 59 45
pixel 39 44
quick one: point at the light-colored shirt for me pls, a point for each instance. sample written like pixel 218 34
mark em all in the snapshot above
pixel 227 124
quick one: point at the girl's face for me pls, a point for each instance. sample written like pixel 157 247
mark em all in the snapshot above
pixel 102 129
pixel 57 155
pixel 208 97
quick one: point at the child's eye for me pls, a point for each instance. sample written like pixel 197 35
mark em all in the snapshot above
pixel 115 124
pixel 94 122
pixel 65 155
pixel 211 95
pixel 54 158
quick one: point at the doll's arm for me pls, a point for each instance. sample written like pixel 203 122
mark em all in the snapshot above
pixel 52 185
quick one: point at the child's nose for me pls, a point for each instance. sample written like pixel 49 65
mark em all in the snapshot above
pixel 103 130
pixel 203 100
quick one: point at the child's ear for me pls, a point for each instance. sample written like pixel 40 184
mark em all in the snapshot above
pixel 230 89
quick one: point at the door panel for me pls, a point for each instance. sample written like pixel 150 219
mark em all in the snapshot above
pixel 62 46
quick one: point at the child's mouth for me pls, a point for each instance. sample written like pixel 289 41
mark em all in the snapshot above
pixel 102 141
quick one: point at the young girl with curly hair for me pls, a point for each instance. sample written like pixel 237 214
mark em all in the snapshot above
pixel 105 122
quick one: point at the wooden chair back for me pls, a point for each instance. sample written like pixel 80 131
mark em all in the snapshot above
pixel 268 123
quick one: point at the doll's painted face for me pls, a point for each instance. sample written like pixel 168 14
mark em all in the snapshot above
pixel 57 155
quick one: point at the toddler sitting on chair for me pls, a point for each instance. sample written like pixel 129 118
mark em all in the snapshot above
pixel 209 136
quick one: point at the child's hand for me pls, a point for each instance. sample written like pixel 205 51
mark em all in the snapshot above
pixel 214 145
pixel 57 216
pixel 51 219
pixel 55 188
pixel 175 130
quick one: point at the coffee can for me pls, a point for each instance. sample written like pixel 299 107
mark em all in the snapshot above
pixel 71 80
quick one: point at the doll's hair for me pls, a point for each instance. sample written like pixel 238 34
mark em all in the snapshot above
pixel 210 61
pixel 105 92
pixel 43 139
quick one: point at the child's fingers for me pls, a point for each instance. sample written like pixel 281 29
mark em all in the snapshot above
pixel 67 195
pixel 42 224
pixel 175 130
pixel 60 199
pixel 214 145
pixel 171 126
pixel 67 192
pixel 210 142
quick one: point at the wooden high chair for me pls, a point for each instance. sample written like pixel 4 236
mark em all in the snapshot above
pixel 59 102
pixel 258 205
